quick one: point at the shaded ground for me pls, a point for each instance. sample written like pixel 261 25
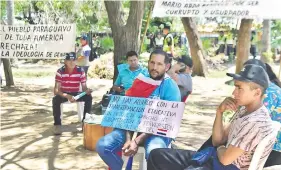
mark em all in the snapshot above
pixel 26 122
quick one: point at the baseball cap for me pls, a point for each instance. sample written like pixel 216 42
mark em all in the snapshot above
pixel 70 56
pixel 256 62
pixel 84 37
pixel 186 60
pixel 252 73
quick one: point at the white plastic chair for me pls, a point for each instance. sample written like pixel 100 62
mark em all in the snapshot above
pixel 80 109
pixel 142 161
pixel 261 146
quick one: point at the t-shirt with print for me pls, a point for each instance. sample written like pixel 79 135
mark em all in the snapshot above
pixel 168 90
pixel 85 54
pixel 272 102
pixel 247 131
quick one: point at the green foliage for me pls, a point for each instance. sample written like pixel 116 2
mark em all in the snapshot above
pixel 268 56
pixel 276 33
pixel 106 45
pixel 207 43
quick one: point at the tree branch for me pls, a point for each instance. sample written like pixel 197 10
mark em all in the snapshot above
pixel 114 12
pixel 134 16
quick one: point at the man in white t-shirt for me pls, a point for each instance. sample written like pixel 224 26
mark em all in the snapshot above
pixel 83 60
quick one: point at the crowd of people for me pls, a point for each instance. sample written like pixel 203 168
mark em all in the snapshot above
pixel 256 102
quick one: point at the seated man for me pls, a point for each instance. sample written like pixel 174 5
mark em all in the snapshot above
pixel 128 73
pixel 68 80
pixel 109 145
pixel 181 73
pixel 249 126
pixel 272 101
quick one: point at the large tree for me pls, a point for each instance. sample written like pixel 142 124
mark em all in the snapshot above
pixel 196 47
pixel 126 34
pixel 243 44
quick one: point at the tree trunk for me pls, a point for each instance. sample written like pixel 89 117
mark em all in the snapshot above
pixel 147 23
pixel 126 36
pixel 196 47
pixel 6 62
pixel 266 35
pixel 243 44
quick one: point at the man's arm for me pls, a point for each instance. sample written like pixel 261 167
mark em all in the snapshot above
pixel 57 91
pixel 219 133
pixel 228 155
pixel 117 84
pixel 173 72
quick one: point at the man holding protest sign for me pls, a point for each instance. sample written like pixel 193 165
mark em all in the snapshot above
pixel 68 81
pixel 108 146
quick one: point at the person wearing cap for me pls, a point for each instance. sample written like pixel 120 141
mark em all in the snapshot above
pixel 181 73
pixel 83 60
pixel 272 101
pixel 67 84
pixel 168 45
pixel 235 143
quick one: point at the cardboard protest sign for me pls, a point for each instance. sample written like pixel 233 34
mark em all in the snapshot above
pixel 267 9
pixel 37 41
pixel 146 115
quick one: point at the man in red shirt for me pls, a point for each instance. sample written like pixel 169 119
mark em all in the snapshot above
pixel 68 80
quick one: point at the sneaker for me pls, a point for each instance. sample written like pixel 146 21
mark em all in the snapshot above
pixel 57 130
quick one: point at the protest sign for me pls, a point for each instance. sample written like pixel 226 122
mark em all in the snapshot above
pixel 151 116
pixel 37 41
pixel 267 9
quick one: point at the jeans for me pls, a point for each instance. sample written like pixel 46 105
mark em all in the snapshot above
pixel 85 68
pixel 58 100
pixel 174 159
pixel 108 146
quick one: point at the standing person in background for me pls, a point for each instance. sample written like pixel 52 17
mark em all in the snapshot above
pixel 83 60
pixel 96 45
pixel 253 48
pixel 221 42
pixel 168 42
pixel 159 41
pixel 230 46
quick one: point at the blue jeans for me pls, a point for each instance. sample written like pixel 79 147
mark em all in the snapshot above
pixel 108 146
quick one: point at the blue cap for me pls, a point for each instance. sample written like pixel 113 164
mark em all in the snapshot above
pixel 84 37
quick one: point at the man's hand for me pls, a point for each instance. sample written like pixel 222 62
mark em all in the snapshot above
pixel 70 98
pixel 228 104
pixel 130 148
pixel 119 89
pixel 176 67
pixel 89 91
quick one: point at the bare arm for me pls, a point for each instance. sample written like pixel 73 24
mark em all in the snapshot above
pixel 219 134
pixel 228 155
pixel 141 138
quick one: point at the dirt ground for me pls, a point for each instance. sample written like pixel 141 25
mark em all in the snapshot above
pixel 27 141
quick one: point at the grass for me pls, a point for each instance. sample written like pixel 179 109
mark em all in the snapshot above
pixel 30 74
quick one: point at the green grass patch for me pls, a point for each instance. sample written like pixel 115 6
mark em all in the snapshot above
pixel 31 73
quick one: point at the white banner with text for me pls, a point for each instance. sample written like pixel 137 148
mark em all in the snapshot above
pixel 37 41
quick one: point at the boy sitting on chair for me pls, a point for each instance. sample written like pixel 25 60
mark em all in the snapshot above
pixel 68 80
pixel 250 124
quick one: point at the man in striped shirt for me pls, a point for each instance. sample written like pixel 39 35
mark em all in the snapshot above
pixel 68 80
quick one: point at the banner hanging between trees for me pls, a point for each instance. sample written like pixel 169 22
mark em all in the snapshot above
pixel 37 41
pixel 266 9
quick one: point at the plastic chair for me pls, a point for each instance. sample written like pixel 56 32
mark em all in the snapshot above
pixel 261 146
pixel 142 161
pixel 80 109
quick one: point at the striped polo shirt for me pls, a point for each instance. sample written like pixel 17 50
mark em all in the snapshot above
pixel 70 82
